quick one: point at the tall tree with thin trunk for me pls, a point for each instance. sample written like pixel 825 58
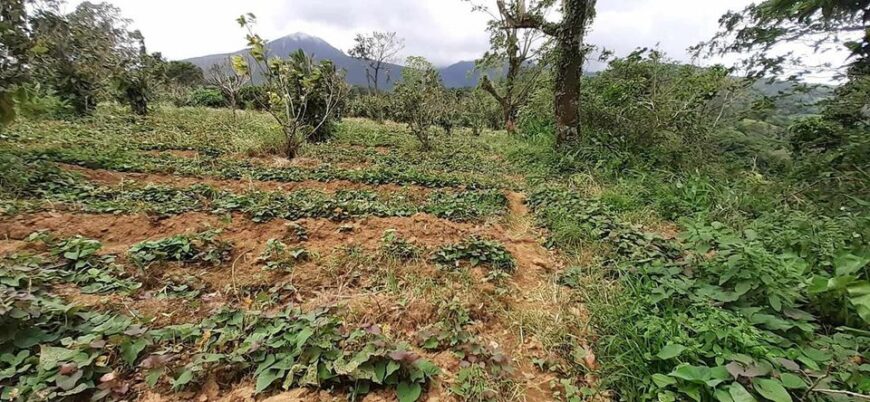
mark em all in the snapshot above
pixel 377 49
pixel 568 35
pixel 229 82
pixel 518 50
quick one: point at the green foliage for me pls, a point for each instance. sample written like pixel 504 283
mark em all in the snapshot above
pixel 278 256
pixel 208 97
pixel 395 246
pixel 294 349
pixel 202 248
pixel 304 96
pixel 760 30
pixel 473 384
pixel 419 99
pixel 39 102
pixel 254 97
pixel 54 351
pixel 717 306
pixel 378 107
pixel 476 251
pixel 78 53
pixel 645 106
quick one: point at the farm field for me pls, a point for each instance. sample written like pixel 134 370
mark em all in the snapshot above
pixel 182 250
pixel 435 201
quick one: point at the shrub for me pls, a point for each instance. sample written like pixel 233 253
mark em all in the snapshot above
pixel 254 97
pixel 207 97
pixel 419 98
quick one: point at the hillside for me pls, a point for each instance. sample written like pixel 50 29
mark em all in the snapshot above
pixel 454 76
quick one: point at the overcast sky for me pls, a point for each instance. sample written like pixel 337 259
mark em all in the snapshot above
pixel 444 31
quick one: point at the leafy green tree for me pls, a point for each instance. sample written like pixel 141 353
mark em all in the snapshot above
pixel 516 49
pixel 183 73
pixel 568 36
pixel 304 96
pixel 763 32
pixel 78 54
pixel 138 77
pixel 419 98
pixel 14 43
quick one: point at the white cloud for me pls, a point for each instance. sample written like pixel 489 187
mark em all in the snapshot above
pixel 444 31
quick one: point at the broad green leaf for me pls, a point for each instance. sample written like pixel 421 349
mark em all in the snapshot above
pixel 792 381
pixel 266 378
pixel 722 395
pixel 862 306
pixel 671 351
pixel 185 377
pixel 130 350
pixel 740 394
pixel 848 264
pixel 689 373
pixel 408 392
pixel 771 389
pixel 50 357
pixel 662 380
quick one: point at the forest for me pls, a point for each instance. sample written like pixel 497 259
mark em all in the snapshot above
pixel 657 230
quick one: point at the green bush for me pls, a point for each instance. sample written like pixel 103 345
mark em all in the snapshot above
pixel 207 97
pixel 254 97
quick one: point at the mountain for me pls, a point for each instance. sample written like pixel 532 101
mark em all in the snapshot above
pixel 457 75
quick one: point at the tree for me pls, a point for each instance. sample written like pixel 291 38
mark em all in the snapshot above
pixel 377 50
pixel 78 54
pixel 136 80
pixel 764 34
pixel 568 35
pixel 14 42
pixel 419 98
pixel 304 96
pixel 229 82
pixel 183 74
pixel 518 49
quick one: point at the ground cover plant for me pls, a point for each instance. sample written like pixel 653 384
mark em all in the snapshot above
pixel 701 236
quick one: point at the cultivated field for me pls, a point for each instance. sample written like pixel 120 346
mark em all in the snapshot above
pixel 189 265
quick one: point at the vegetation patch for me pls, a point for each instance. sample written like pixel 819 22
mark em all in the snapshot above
pixel 476 251
pixel 200 248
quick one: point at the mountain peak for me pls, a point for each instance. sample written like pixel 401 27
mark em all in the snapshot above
pixel 456 75
pixel 300 36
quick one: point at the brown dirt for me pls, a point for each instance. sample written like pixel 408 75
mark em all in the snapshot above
pixel 327 280
pixel 112 178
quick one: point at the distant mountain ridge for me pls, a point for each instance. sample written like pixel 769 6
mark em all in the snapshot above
pixel 458 75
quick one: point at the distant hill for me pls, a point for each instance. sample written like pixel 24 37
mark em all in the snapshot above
pixel 457 75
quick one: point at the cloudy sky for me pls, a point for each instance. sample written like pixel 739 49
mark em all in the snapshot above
pixel 444 31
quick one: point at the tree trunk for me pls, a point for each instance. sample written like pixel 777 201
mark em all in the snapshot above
pixel 569 40
pixel 510 118
pixel 292 143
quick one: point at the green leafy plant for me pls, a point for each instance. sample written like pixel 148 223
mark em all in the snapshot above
pixel 295 349
pixel 395 246
pixel 475 251
pixel 202 248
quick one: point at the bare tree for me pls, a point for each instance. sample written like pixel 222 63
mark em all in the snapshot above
pixel 378 50
pixel 568 34
pixel 229 82
pixel 517 48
